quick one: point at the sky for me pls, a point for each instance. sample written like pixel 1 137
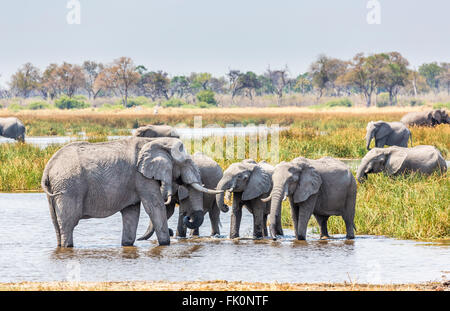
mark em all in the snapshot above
pixel 184 36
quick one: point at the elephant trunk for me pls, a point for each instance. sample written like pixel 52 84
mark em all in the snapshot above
pixel 361 174
pixel 277 195
pixel 369 137
pixel 223 185
pixel 166 191
pixel 195 220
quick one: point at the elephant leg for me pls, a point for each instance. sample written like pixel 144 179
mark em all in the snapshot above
pixel 266 232
pixel 294 213
pixel 181 227
pixel 349 215
pixel 68 214
pixel 322 220
pixel 130 220
pixel 154 206
pixel 380 143
pixel 258 218
pixel 305 211
pixel 214 217
pixel 236 216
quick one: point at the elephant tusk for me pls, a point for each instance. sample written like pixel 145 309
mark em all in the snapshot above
pixel 200 188
pixel 265 200
pixel 228 195
pixel 169 199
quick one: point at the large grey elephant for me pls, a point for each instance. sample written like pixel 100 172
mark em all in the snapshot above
pixel 322 188
pixel 387 133
pixel 86 180
pixel 426 118
pixel 398 160
pixel 156 131
pixel 248 181
pixel 210 173
pixel 12 128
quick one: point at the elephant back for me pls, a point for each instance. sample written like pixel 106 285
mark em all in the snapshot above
pixel 210 171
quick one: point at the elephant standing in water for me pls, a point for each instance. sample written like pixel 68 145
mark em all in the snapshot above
pixel 398 160
pixel 426 118
pixel 85 180
pixel 12 128
pixel 156 131
pixel 210 174
pixel 322 188
pixel 387 133
pixel 249 182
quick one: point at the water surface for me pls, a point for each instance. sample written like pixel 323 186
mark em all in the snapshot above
pixel 28 253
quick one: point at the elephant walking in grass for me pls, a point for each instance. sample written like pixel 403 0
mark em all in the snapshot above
pixel 156 131
pixel 426 118
pixel 387 133
pixel 185 196
pixel 322 188
pixel 398 160
pixel 12 128
pixel 86 180
pixel 249 182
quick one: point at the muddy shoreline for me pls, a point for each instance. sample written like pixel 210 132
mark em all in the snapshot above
pixel 216 286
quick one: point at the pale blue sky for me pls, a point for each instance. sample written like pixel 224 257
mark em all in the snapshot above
pixel 182 36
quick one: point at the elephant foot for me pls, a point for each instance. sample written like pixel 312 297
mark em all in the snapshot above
pixel 350 237
pixel 127 244
pixel 324 237
pixel 170 232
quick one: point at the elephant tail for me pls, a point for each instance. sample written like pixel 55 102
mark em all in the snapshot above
pixel 46 187
pixel 45 184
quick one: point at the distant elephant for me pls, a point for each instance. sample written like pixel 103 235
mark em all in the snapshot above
pixel 156 131
pixel 398 160
pixel 322 188
pixel 210 173
pixel 249 182
pixel 96 180
pixel 12 128
pixel 387 133
pixel 426 118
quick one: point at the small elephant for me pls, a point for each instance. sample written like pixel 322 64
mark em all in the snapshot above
pixel 12 128
pixel 249 182
pixel 426 118
pixel 398 160
pixel 322 188
pixel 210 173
pixel 387 133
pixel 96 180
pixel 156 131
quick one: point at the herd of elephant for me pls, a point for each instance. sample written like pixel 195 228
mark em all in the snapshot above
pixel 96 180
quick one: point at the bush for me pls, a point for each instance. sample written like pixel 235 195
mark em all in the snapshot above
pixel 205 105
pixel 39 105
pixel 442 106
pixel 15 107
pixel 345 102
pixel 76 102
pixel 174 103
pixel 383 100
pixel 138 101
pixel 107 107
pixel 415 102
pixel 207 97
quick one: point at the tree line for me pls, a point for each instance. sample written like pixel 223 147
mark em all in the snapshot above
pixel 367 75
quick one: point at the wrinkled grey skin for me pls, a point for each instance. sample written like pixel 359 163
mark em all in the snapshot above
pixel 427 118
pixel 12 128
pixel 398 160
pixel 249 182
pixel 323 188
pixel 387 134
pixel 210 173
pixel 156 131
pixel 84 180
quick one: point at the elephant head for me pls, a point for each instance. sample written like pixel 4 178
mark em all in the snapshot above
pixel 389 160
pixel 156 131
pixel 297 180
pixel 246 177
pixel 376 130
pixel 439 116
pixel 166 160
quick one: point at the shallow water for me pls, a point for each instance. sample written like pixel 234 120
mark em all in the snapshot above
pixel 28 253
pixel 185 133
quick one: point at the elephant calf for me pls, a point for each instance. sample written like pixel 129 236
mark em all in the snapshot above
pixel 322 188
pixel 426 118
pixel 398 160
pixel 249 182
pixel 12 128
pixel 387 134
pixel 156 131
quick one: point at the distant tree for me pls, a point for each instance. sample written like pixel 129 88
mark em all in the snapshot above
pixel 218 85
pixel 395 75
pixel 91 71
pixel 71 78
pixel 199 81
pixel 431 72
pixel 444 76
pixel 155 84
pixel 25 80
pixel 50 85
pixel 278 79
pixel 324 73
pixel 179 86
pixel 303 84
pixel 417 83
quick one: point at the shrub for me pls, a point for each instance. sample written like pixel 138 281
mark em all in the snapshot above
pixel 138 101
pixel 416 102
pixel 207 97
pixel 442 106
pixel 77 102
pixel 345 102
pixel 15 107
pixel 174 103
pixel 383 100
pixel 107 107
pixel 205 105
pixel 39 105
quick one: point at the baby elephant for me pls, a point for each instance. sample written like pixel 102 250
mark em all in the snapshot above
pixel 387 133
pixel 398 160
pixel 12 128
pixel 427 118
pixel 322 188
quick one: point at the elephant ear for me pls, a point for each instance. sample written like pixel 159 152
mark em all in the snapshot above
pixel 155 163
pixel 190 172
pixel 183 193
pixel 395 160
pixel 260 182
pixel 309 184
pixel 382 130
